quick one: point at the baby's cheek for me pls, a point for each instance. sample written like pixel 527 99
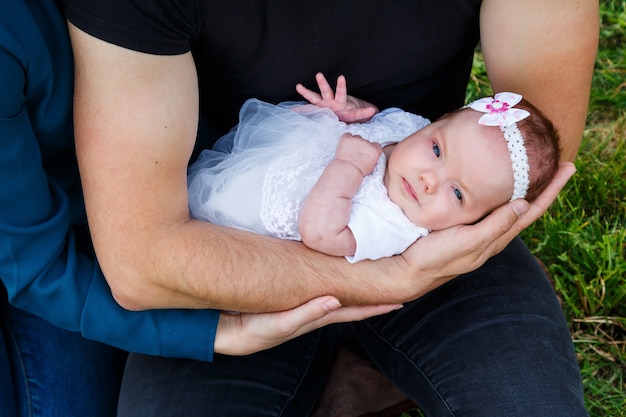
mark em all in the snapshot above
pixel 444 216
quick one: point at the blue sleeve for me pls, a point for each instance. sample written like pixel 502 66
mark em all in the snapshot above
pixel 42 265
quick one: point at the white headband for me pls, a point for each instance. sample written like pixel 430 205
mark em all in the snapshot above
pixel 500 112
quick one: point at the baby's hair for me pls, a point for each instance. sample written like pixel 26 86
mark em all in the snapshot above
pixel 541 140
pixel 542 143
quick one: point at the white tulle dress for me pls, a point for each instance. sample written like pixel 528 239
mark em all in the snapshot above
pixel 278 153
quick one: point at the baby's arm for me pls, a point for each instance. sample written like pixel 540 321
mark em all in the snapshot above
pixel 326 211
pixel 348 109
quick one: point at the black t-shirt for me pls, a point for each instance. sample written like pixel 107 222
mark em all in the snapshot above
pixel 413 54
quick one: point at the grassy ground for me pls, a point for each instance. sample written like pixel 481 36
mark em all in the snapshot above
pixel 582 238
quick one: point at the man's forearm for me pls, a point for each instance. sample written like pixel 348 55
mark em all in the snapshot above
pixel 555 74
pixel 199 265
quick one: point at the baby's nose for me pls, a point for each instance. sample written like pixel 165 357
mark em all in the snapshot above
pixel 429 179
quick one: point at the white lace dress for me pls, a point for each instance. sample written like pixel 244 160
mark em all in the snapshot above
pixel 278 153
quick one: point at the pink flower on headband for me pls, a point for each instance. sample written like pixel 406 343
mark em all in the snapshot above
pixel 499 110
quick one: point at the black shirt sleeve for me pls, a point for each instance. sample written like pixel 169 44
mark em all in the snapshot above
pixel 155 27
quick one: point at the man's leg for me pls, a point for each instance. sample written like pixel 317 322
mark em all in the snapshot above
pixel 490 343
pixel 283 381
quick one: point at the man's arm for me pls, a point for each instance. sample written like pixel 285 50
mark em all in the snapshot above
pixel 323 223
pixel 544 50
pixel 135 120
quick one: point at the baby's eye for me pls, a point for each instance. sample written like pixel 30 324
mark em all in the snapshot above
pixel 436 150
pixel 458 194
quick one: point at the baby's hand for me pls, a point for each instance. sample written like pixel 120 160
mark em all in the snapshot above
pixel 347 108
pixel 359 152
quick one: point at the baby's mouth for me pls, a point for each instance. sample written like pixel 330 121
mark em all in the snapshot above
pixel 409 189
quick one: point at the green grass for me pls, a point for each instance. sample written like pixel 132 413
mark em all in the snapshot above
pixel 582 241
pixel 582 238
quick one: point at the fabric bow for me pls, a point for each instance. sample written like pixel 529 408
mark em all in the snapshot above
pixel 499 110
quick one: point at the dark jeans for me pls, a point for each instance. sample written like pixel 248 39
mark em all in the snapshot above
pixel 49 372
pixel 489 343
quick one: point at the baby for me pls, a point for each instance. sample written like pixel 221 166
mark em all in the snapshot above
pixel 350 181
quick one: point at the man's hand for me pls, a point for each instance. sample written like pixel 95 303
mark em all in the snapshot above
pixel 460 249
pixel 246 333
pixel 347 108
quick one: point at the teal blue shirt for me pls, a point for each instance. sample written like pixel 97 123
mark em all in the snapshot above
pixel 42 265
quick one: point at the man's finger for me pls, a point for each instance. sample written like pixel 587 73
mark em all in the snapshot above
pixel 541 204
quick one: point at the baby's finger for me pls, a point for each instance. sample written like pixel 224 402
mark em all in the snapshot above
pixel 341 92
pixel 310 95
pixel 325 89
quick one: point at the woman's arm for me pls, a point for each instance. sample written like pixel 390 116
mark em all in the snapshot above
pixel 42 264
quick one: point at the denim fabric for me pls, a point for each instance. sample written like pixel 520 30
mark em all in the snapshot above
pixel 45 371
pixel 489 343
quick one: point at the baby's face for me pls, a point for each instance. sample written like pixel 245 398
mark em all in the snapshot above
pixel 451 172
